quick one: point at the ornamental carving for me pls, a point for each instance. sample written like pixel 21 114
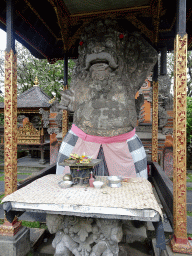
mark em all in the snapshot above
pixel 28 134
pixel 112 66
pixel 155 123
pixel 162 117
pixel 84 236
pixel 10 123
pixel 45 117
pixel 179 148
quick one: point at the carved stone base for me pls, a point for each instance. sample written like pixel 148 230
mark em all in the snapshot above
pixel 181 246
pixel 85 236
pixel 10 229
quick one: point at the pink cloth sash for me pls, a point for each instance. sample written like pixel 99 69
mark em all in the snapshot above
pixel 100 139
pixel 118 158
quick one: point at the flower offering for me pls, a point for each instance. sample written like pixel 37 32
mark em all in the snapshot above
pixel 83 159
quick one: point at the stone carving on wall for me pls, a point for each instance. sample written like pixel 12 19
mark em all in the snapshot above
pixel 58 119
pixel 54 106
pixel 36 121
pixel 167 131
pixel 45 117
pixel 52 130
pixel 84 236
pixel 165 97
pixel 162 117
pixel 111 68
pixel 20 120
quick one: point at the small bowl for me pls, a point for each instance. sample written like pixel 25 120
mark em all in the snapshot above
pixel 114 181
pixel 97 184
pixel 67 177
pixel 65 184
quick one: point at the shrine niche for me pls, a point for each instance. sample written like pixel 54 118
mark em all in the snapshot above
pixel 31 134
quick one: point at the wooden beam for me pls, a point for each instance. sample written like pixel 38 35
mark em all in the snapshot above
pixel 77 35
pixel 123 10
pixel 64 23
pixel 138 24
pixel 40 18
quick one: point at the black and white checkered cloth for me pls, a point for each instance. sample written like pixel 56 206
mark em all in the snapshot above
pixel 134 144
pixel 139 156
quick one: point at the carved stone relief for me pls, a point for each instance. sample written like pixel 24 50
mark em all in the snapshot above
pixel 45 117
pixel 84 236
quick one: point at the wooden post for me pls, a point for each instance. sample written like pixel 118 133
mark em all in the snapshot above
pixel 10 121
pixel 154 156
pixel 180 243
pixel 65 113
pixel 10 109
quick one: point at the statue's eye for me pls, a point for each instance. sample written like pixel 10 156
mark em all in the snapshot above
pixel 109 43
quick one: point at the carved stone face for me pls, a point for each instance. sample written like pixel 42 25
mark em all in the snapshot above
pixel 111 68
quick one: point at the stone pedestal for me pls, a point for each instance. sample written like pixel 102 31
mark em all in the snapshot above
pixel 18 245
pixel 85 236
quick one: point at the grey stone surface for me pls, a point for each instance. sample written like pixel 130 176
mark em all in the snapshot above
pixel 2 186
pixel 18 245
pixel 33 216
pixel 189 200
pixel 134 234
pixel 189 184
pixel 22 177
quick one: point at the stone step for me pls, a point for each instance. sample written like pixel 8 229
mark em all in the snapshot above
pixel 36 237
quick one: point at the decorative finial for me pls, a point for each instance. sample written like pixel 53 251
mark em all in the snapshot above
pixel 52 100
pixel 36 82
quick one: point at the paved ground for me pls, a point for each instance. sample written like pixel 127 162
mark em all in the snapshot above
pixel 30 165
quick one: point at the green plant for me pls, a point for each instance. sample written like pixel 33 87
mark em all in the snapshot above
pixel 34 224
pixel 29 224
pixel 189 177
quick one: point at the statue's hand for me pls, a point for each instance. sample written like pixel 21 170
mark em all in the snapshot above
pixel 67 100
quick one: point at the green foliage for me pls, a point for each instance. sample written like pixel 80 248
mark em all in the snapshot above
pixel 1 118
pixel 29 224
pixel 1 197
pixel 34 224
pixel 50 76
pixel 189 176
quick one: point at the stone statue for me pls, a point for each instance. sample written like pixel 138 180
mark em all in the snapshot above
pixel 112 66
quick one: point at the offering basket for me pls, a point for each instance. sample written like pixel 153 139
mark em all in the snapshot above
pixel 81 172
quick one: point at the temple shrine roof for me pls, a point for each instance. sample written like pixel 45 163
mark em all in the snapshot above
pixel 32 98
